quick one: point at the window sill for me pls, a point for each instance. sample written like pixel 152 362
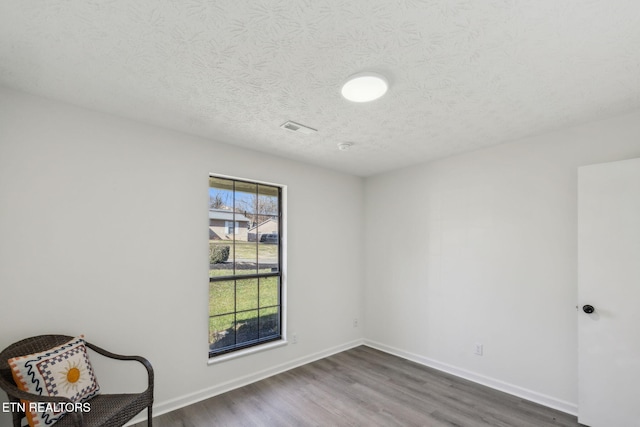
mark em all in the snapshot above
pixel 246 352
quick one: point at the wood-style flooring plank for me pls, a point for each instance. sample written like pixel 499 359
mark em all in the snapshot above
pixel 364 387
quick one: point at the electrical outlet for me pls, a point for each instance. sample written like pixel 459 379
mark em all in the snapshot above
pixel 479 349
pixel 294 338
pixel 355 322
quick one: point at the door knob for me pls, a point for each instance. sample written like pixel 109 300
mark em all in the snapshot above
pixel 588 309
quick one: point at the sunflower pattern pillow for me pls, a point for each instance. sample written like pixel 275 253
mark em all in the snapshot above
pixel 61 371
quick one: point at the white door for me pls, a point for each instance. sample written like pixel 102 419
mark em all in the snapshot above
pixel 609 280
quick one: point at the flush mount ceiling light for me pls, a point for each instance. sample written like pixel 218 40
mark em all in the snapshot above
pixel 365 87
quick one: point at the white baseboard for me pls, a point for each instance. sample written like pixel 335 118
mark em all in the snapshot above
pixel 551 402
pixel 189 399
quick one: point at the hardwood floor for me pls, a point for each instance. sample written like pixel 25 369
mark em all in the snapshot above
pixel 364 387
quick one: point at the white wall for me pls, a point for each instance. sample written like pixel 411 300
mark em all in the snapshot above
pixel 484 251
pixel 103 232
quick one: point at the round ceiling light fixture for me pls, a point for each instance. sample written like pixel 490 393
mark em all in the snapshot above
pixel 365 87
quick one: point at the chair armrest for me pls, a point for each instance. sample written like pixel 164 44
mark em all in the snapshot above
pixel 139 359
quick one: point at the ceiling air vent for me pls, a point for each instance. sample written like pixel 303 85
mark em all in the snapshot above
pixel 297 127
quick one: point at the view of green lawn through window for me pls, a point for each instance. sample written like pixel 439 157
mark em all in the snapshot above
pixel 244 264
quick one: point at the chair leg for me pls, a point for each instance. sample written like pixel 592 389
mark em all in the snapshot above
pixel 17 419
pixel 150 416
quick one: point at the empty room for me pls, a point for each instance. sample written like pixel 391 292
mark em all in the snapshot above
pixel 297 213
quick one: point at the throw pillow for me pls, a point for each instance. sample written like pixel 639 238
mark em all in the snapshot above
pixel 61 371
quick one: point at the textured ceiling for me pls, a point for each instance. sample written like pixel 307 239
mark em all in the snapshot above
pixel 464 74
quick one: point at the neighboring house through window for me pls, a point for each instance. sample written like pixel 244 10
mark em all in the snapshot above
pixel 245 264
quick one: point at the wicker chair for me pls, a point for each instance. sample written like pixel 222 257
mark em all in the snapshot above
pixel 107 410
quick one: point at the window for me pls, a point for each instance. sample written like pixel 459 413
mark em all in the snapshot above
pixel 231 229
pixel 245 264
